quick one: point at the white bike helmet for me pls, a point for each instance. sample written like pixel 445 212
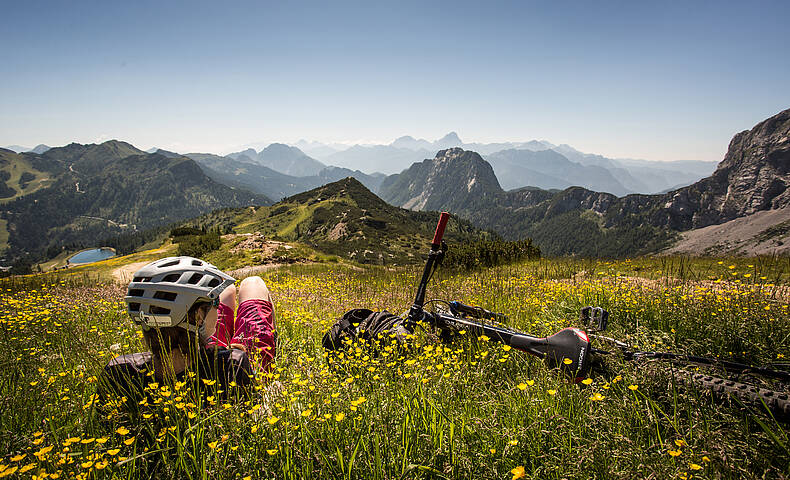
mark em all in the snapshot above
pixel 162 292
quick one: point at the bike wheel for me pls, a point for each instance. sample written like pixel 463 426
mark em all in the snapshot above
pixel 777 402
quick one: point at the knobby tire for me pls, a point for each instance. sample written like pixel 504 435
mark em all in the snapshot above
pixel 722 388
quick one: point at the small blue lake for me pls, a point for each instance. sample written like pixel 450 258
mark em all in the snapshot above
pixel 92 255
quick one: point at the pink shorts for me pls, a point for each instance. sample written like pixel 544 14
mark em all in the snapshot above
pixel 252 327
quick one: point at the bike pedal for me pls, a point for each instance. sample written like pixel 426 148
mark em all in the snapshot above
pixel 595 319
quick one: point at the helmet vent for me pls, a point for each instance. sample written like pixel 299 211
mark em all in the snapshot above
pixel 169 296
pixel 169 264
pixel 173 277
pixel 142 279
pixel 197 263
pixel 136 292
pixel 134 306
pixel 155 310
pixel 214 282
pixel 195 278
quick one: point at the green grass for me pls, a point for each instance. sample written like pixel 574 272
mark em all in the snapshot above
pixel 302 213
pixel 16 167
pixel 3 234
pixel 469 409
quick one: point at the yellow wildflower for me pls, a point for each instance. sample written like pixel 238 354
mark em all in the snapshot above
pixel 518 472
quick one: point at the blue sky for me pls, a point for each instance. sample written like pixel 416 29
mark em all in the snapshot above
pixel 661 81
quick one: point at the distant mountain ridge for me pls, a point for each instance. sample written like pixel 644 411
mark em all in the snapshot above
pixel 242 173
pixel 376 158
pixel 282 158
pixel 41 148
pixel 595 172
pixel 627 175
pixel 753 177
pixel 549 169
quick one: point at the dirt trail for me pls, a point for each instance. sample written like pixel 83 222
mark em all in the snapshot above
pixel 251 270
pixel 124 274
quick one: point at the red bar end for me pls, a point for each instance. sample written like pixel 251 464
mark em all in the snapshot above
pixel 437 236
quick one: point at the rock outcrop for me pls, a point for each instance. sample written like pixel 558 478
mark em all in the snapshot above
pixel 456 179
pixel 753 176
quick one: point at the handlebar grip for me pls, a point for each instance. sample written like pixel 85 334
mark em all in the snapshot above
pixel 437 236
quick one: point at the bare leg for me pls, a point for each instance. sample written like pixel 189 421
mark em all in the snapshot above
pixel 253 288
pixel 255 320
pixel 228 297
pixel 223 321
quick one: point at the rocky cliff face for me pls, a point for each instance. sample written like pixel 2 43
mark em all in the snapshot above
pixel 753 176
pixel 456 179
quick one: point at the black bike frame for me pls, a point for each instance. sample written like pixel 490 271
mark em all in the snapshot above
pixel 568 349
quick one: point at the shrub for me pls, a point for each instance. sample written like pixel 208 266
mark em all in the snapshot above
pixel 489 253
pixel 199 245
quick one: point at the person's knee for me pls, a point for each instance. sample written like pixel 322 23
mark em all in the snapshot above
pixel 253 287
pixel 228 293
pixel 253 283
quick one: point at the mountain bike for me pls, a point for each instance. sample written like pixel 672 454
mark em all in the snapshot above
pixel 571 350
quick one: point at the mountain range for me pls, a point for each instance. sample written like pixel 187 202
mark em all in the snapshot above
pixel 76 195
pixel 282 158
pixel 519 168
pixel 79 194
pixel 41 148
pixel 240 172
pixel 752 178
pixel 517 164
pixel 534 163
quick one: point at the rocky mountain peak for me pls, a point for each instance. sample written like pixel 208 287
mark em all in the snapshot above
pixel 754 176
pixel 450 154
pixel 282 148
pixel 449 140
pixel 467 164
pixel 757 167
pixel 455 175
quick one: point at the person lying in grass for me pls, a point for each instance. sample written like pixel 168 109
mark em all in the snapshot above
pixel 185 307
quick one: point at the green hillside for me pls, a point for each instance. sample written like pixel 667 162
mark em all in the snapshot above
pixel 19 175
pixel 345 219
pixel 100 191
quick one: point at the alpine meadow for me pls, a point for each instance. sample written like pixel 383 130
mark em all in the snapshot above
pixel 394 240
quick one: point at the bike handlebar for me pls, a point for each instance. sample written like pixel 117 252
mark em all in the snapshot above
pixel 437 236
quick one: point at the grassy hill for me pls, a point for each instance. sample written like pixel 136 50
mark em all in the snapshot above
pixel 345 219
pixel 20 175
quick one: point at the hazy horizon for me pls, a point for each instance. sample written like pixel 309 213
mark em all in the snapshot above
pixel 657 82
pixel 258 146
